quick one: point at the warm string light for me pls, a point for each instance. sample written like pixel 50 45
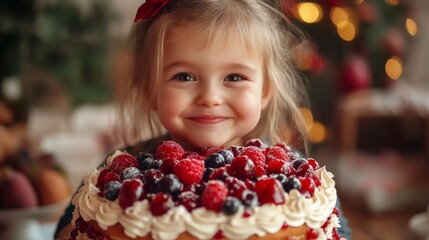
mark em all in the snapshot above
pixel 393 68
pixel 411 26
pixel 392 2
pixel 309 12
pixel 317 132
pixel 345 21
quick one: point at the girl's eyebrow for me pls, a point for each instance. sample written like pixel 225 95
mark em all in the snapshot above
pixel 179 64
pixel 235 66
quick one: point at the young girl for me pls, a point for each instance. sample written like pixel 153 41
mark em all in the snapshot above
pixel 211 73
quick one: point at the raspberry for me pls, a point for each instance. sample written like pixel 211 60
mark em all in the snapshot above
pixel 122 161
pixel 235 150
pixel 210 150
pixel 219 174
pixel 312 235
pixel 276 153
pixel 242 168
pixel 169 149
pixel 167 165
pixel 284 146
pixel 255 154
pixel 257 143
pixel 307 186
pixel 304 169
pixel 214 194
pixel 189 170
pixel 130 192
pixel 259 172
pixel 269 190
pixel 189 200
pixel 277 166
pixel 313 163
pixel 106 176
pixel 160 204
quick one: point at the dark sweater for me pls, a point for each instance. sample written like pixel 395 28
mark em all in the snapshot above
pixel 150 146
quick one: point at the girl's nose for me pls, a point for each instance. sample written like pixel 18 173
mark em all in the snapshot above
pixel 209 95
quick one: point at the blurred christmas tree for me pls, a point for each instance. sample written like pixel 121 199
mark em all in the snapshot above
pixel 358 44
pixel 59 38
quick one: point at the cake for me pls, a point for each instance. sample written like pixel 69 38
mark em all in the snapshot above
pixel 253 191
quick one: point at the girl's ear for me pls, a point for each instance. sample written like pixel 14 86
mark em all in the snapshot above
pixel 267 93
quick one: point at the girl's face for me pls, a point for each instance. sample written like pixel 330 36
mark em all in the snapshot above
pixel 210 94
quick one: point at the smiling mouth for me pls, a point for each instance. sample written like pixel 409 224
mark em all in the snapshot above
pixel 208 119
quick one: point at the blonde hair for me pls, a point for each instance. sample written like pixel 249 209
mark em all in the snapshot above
pixel 258 24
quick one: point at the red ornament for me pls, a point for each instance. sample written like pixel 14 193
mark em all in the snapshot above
pixel 355 74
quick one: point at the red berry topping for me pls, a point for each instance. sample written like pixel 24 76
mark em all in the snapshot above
pixel 285 147
pixel 259 172
pixel 189 170
pixel 255 154
pixel 160 204
pixel 214 194
pixel 304 169
pixel 313 163
pixel 106 176
pixel 210 150
pixel 312 235
pixel 189 200
pixel 167 165
pixel 130 192
pixel 169 149
pixel 269 190
pixel 307 186
pixel 242 168
pixel 122 161
pixel 257 143
pixel 219 174
pixel 276 153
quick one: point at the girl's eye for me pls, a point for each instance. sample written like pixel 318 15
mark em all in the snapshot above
pixel 185 77
pixel 234 78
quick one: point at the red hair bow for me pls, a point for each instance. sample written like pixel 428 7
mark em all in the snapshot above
pixel 149 9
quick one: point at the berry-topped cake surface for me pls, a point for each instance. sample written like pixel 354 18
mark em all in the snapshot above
pixel 254 191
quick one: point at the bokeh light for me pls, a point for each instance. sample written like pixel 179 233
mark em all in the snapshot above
pixel 346 30
pixel 411 26
pixel 393 68
pixel 318 132
pixel 310 12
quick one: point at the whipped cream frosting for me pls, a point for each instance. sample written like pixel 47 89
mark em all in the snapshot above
pixel 138 221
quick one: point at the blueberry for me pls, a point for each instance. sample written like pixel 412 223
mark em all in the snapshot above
pixel 230 205
pixel 111 190
pixel 170 184
pixel 250 199
pixel 207 174
pixel 227 155
pixel 291 183
pixel 298 162
pixel 155 164
pixel 214 160
pixel 280 177
pixel 144 159
pixel 130 173
pixel 151 178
